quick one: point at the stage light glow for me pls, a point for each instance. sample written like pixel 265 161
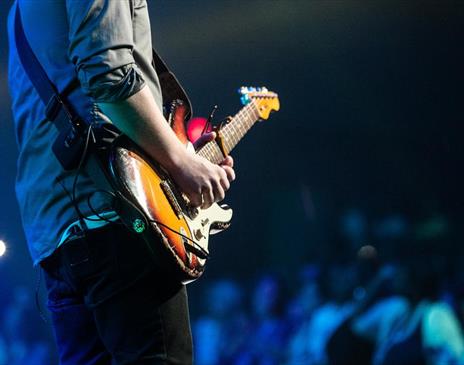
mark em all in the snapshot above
pixel 2 248
pixel 195 127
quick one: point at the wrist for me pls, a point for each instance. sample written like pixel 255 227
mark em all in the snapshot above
pixel 174 160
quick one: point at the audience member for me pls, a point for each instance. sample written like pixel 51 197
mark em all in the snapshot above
pixel 429 331
pixel 268 331
pixel 219 333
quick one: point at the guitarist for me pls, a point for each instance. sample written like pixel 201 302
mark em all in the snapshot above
pixel 109 304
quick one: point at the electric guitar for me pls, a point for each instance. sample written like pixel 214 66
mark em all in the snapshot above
pixel 152 205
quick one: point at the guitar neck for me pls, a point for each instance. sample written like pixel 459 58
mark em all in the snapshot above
pixel 231 133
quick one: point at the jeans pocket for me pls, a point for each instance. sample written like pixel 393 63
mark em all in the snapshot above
pixel 89 256
pixel 61 293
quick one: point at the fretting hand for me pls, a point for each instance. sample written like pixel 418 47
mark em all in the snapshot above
pixel 203 182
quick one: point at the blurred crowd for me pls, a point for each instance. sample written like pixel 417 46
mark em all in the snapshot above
pixel 397 302
pixel 340 313
pixel 24 339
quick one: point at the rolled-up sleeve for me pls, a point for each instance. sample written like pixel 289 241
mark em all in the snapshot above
pixel 100 46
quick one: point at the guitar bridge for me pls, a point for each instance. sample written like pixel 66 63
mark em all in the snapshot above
pixel 171 198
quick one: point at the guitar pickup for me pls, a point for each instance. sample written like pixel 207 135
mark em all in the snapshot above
pixel 171 198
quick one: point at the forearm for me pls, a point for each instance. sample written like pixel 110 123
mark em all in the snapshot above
pixel 140 118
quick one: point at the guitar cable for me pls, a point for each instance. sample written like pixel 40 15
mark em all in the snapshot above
pixel 196 244
pixel 198 247
pixel 78 172
pixel 202 251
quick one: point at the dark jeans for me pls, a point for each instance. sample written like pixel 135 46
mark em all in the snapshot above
pixel 110 305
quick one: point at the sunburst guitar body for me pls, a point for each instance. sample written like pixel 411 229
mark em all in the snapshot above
pixel 151 204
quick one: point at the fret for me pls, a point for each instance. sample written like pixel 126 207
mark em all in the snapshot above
pixel 234 131
pixel 231 133
pixel 211 152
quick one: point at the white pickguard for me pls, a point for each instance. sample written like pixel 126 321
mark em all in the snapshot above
pixel 200 227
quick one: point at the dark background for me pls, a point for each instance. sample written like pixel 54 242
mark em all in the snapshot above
pixel 370 121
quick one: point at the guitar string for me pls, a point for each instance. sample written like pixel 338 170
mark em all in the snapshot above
pixel 230 133
pixel 243 121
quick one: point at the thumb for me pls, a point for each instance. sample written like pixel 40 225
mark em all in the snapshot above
pixel 204 138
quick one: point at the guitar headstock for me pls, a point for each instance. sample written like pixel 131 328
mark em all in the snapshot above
pixel 265 101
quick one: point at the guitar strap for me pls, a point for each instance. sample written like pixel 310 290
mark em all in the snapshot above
pixel 70 143
pixel 171 88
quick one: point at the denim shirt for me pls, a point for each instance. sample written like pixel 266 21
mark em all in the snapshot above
pixel 105 45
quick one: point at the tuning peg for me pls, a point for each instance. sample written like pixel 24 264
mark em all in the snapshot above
pixel 245 99
pixel 243 90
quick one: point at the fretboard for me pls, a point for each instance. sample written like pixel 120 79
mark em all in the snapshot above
pixel 231 133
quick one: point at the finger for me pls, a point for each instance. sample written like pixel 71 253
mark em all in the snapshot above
pixel 230 172
pixel 204 138
pixel 208 197
pixel 224 180
pixel 225 183
pixel 228 161
pixel 219 193
pixel 195 200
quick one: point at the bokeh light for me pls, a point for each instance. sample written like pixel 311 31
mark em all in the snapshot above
pixel 2 248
